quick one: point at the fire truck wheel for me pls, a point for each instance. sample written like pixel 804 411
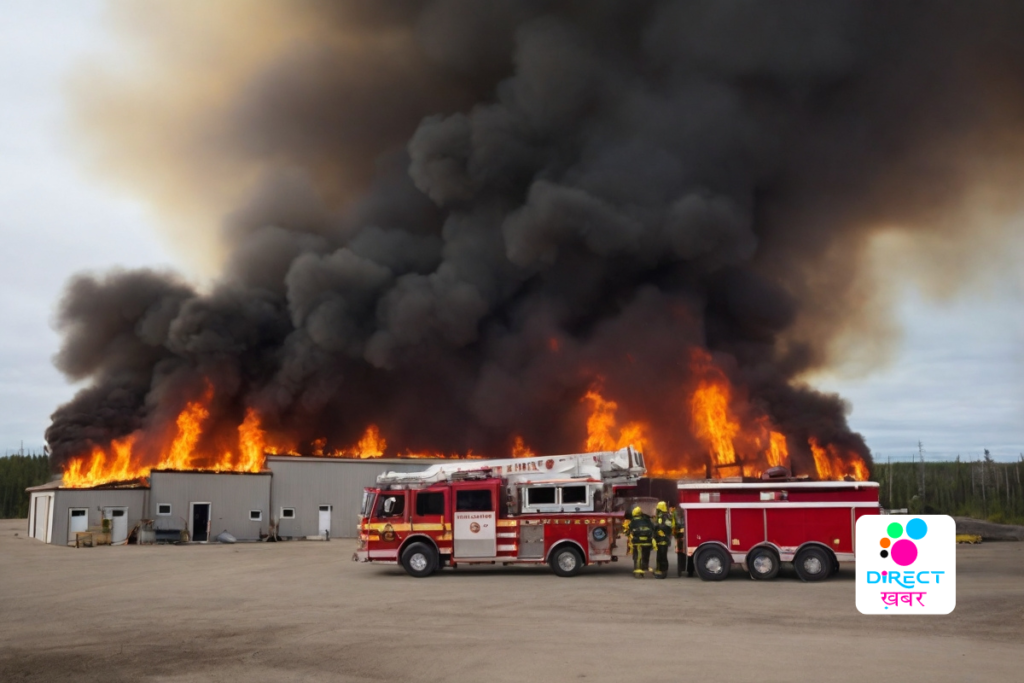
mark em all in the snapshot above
pixel 813 564
pixel 713 564
pixel 419 560
pixel 763 564
pixel 567 561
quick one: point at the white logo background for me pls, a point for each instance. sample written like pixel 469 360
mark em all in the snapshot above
pixel 936 552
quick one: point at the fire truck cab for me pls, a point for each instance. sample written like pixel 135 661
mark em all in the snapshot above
pixel 554 510
pixel 764 523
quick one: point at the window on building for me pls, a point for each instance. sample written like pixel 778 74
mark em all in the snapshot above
pixel 78 513
pixel 287 513
pixel 574 495
pixel 473 501
pixel 541 495
pixel 163 509
pixel 429 504
pixel 256 515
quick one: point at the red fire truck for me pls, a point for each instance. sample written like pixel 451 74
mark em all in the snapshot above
pixel 555 510
pixel 763 523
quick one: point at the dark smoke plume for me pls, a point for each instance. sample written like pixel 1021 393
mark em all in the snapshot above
pixel 451 218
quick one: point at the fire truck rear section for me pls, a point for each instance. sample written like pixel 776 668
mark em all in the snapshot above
pixel 764 523
pixel 553 510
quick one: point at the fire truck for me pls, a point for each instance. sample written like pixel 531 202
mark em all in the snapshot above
pixel 555 510
pixel 762 523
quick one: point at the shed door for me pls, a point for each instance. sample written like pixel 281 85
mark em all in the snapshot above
pixel 42 518
pixel 325 521
pixel 78 520
pixel 118 523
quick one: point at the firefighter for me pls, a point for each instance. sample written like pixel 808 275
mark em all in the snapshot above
pixel 641 538
pixel 664 530
pixel 682 562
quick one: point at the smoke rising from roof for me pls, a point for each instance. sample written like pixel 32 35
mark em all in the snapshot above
pixel 450 218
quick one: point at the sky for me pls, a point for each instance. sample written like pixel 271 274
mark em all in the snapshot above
pixel 955 380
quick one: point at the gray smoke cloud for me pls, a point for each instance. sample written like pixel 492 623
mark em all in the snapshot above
pixel 471 212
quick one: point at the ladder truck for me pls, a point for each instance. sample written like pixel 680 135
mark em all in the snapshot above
pixel 555 510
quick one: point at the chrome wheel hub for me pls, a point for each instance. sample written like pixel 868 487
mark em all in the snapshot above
pixel 812 565
pixel 713 565
pixel 567 562
pixel 418 562
pixel 763 564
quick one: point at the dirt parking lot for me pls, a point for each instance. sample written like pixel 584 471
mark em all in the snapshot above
pixel 303 611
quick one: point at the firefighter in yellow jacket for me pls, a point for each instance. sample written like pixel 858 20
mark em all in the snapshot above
pixel 641 539
pixel 664 530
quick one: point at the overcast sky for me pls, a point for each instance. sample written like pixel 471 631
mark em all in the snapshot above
pixel 955 382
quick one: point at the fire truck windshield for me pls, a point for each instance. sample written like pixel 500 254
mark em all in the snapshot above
pixel 367 506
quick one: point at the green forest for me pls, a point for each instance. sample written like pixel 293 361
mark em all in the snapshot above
pixel 18 472
pixel 983 489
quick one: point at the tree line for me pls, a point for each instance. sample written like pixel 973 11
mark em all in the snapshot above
pixel 983 489
pixel 18 472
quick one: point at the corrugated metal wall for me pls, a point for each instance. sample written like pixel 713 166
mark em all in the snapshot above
pixel 306 483
pixel 95 500
pixel 231 495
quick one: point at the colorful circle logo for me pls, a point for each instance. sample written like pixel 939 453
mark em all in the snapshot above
pixel 903 550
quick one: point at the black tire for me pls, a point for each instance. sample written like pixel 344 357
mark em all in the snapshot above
pixel 566 561
pixel 763 564
pixel 419 560
pixel 813 564
pixel 713 563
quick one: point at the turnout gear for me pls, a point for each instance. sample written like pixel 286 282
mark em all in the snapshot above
pixel 664 529
pixel 682 561
pixel 641 538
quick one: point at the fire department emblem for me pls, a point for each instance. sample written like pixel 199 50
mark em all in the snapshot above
pixel 549 464
pixel 474 527
pixel 387 533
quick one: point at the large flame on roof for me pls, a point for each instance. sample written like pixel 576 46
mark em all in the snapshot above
pixel 732 437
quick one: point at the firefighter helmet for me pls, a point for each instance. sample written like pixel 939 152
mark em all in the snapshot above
pixel 637 511
pixel 662 506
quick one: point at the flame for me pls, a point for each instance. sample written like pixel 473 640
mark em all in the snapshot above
pixel 723 433
pixel 520 449
pixel 830 463
pixel 713 423
pixel 251 442
pixel 190 428
pixel 778 451
pixel 602 426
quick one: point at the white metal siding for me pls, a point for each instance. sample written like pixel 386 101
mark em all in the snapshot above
pixel 231 497
pixel 94 500
pixel 307 483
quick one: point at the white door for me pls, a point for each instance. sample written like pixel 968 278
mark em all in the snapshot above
pixel 325 521
pixel 118 523
pixel 78 520
pixel 42 518
pixel 475 534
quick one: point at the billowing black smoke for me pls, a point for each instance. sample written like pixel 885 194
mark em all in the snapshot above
pixel 455 236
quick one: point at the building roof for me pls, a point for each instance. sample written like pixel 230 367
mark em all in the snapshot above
pixel 426 462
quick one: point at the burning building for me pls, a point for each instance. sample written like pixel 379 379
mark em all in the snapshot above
pixel 473 229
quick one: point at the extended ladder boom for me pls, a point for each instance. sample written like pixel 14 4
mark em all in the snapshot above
pixel 624 466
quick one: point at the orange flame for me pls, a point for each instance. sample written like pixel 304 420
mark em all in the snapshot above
pixel 778 451
pixel 602 425
pixel 830 463
pixel 251 443
pixel 190 428
pixel 713 423
pixel 736 436
pixel 520 449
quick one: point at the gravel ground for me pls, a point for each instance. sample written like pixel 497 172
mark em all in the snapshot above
pixel 303 611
